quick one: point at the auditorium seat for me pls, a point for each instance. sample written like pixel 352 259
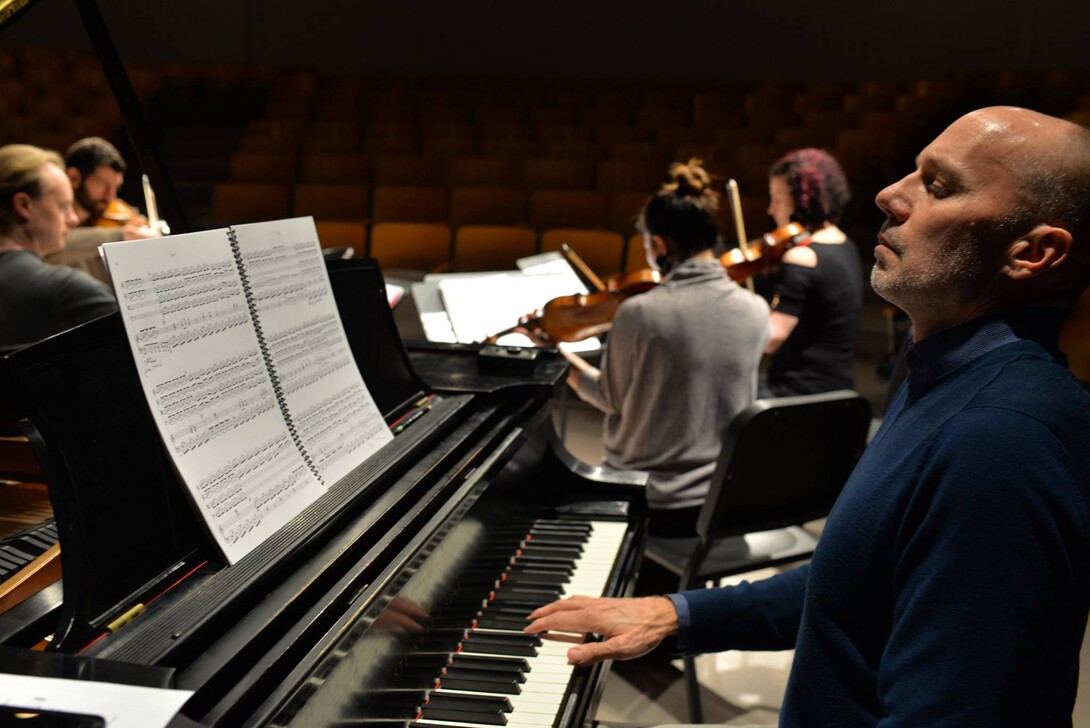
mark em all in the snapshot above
pixel 330 202
pixel 235 202
pixel 263 168
pixel 511 148
pixel 484 172
pixel 487 206
pixel 601 250
pixel 557 174
pixel 492 247
pixel 629 176
pixel 409 170
pixel 624 207
pixel 409 204
pixel 635 255
pixel 334 234
pixel 567 209
pixel 334 169
pixel 415 246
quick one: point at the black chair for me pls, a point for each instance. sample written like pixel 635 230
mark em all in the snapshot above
pixel 783 463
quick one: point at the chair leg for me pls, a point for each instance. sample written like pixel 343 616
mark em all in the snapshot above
pixel 692 690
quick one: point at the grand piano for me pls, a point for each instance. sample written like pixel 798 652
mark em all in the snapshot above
pixel 398 598
pixel 395 599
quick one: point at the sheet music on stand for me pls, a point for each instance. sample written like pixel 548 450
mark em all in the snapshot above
pixel 247 371
pixel 469 307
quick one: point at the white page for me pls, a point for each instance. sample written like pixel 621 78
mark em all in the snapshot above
pixel 481 306
pixel 121 706
pixel 336 418
pixel 207 385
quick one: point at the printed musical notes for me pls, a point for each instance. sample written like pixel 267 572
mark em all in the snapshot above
pixel 247 371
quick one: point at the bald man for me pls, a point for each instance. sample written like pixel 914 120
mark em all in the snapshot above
pixel 952 583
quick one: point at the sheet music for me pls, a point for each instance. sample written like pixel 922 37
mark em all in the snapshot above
pixel 335 416
pixel 121 706
pixel 481 305
pixel 207 368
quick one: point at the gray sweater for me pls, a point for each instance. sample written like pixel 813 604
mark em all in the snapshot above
pixel 38 299
pixel 682 360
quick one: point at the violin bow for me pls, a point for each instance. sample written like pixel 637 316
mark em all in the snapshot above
pixel 739 224
pixel 581 268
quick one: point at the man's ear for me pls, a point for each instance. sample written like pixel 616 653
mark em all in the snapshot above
pixel 659 246
pixel 73 176
pixel 1042 249
pixel 20 202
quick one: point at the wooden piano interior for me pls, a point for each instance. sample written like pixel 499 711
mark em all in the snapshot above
pixel 396 598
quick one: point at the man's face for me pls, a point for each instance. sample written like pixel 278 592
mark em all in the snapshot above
pixel 942 245
pixel 781 205
pixel 97 190
pixel 50 214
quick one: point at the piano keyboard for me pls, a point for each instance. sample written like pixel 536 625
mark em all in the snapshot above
pixel 20 549
pixel 476 667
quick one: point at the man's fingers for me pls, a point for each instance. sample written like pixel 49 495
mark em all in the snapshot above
pixel 569 604
pixel 591 652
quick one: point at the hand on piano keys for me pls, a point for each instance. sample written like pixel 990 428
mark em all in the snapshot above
pixel 629 627
pixel 496 673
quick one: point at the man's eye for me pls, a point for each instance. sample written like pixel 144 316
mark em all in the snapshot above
pixel 936 190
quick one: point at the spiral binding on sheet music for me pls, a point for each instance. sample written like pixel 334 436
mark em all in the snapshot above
pixel 278 390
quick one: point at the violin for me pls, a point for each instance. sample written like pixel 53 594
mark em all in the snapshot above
pixel 763 255
pixel 121 214
pixel 583 315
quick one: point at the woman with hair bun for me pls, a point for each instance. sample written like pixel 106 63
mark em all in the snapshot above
pixel 817 296
pixel 681 360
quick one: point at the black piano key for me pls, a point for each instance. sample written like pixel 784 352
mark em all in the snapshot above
pixel 499 648
pixel 511 637
pixel 562 541
pixel 483 717
pixel 477 662
pixel 481 686
pixel 501 622
pixel 469 702
pixel 530 592
pixel 469 673
pixel 533 576
pixel 558 552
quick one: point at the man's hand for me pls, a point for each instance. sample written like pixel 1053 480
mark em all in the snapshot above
pixel 629 627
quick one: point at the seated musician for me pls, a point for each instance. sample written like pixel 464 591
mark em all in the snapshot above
pixel 682 358
pixel 36 211
pixel 951 586
pixel 97 171
pixel 817 296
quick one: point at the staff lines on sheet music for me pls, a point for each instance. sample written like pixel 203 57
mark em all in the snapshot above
pixel 160 339
pixel 168 294
pixel 302 353
pixel 270 477
pixel 185 275
pixel 196 390
pixel 329 426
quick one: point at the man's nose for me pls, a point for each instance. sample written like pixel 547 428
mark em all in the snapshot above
pixel 892 201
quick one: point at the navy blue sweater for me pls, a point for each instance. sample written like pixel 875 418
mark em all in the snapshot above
pixel 952 582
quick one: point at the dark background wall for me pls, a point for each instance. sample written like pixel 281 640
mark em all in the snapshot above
pixel 640 39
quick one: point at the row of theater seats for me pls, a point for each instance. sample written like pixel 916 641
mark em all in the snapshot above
pixel 538 209
pixel 440 247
